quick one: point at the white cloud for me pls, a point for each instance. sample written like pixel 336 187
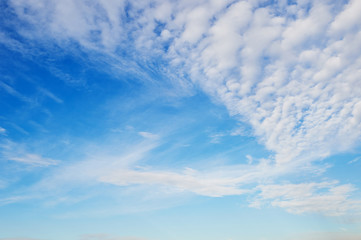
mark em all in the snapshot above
pixel 354 160
pixel 327 198
pixel 2 131
pixel 11 151
pixel 348 20
pixel 50 95
pixel 10 90
pixel 33 159
pixel 129 169
pixel 126 170
pixel 294 83
pixel 148 135
pixel 193 182
pixel 216 137
pixel 13 199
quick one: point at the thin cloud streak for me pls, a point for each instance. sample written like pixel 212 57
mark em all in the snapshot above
pixel 17 153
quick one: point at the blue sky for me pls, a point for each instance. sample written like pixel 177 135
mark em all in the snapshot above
pixel 173 120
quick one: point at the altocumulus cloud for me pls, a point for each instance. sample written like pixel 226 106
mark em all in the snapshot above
pixel 291 71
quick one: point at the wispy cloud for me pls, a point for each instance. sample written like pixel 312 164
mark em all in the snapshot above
pixel 2 131
pixel 128 168
pixel 354 160
pixel 14 199
pixel 10 90
pixel 327 198
pixel 148 135
pixel 33 159
pixel 50 95
pixel 11 151
pixel 186 181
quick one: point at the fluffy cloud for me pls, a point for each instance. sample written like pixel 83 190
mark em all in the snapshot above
pixel 287 75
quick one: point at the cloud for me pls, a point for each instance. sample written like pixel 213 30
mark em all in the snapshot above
pixel 187 181
pixel 129 169
pixel 2 131
pixel 327 198
pixel 148 135
pixel 11 151
pixel 50 95
pixel 347 20
pixel 126 170
pixel 285 69
pixel 33 159
pixel 126 166
pixel 10 90
pixel 13 199
pixel 292 72
pixel 354 160
pixel 299 99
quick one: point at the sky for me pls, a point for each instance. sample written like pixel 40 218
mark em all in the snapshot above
pixel 174 120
